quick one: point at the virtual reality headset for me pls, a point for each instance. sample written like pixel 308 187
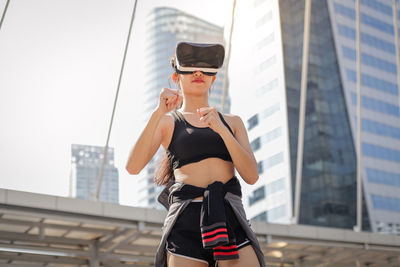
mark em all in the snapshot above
pixel 191 57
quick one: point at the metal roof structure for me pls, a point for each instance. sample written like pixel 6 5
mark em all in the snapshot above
pixel 45 230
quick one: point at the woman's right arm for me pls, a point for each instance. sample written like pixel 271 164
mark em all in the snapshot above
pixel 151 137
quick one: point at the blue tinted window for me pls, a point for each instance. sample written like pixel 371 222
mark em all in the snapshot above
pixel 378 63
pixel 255 145
pixel 270 110
pixel 365 19
pixel 349 53
pixel 378 6
pixel 380 128
pixel 252 122
pixel 271 135
pixel 380 152
pixel 377 105
pixel 260 167
pixel 263 191
pixel 386 203
pixel 262 217
pixel 383 177
pixel 276 213
pixel 272 214
pixel 276 186
pixel 367 39
pixel 257 195
pixel 348 12
pixel 377 24
pixel 370 60
pixel 378 43
pixel 373 82
pixel 346 31
pixel 273 160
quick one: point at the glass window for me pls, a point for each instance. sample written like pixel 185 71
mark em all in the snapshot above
pixel 377 105
pixel 380 152
pixel 373 82
pixel 260 167
pixel 262 217
pixel 256 144
pixel 375 5
pixel 273 160
pixel 386 203
pixel 270 110
pixel 383 177
pixel 380 128
pixel 365 19
pixel 276 213
pixel 370 60
pixel 257 195
pixel 275 186
pixel 271 135
pixel 252 122
pixel 367 39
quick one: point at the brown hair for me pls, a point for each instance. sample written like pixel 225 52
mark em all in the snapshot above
pixel 164 172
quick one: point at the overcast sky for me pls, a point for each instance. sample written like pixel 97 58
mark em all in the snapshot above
pixel 59 67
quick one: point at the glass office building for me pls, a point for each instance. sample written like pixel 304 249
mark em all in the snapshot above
pixel 328 190
pixel 85 167
pixel 165 27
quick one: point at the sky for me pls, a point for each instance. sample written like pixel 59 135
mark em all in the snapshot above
pixel 59 67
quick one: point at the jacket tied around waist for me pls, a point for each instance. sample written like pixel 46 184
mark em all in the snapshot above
pixel 214 224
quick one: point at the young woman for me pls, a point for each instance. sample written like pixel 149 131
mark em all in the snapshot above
pixel 206 223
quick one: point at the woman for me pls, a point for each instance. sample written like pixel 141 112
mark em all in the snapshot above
pixel 206 223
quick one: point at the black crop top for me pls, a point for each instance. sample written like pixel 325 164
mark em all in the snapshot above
pixel 191 144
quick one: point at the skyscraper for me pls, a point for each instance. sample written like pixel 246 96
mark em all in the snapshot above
pixel 85 167
pixel 328 189
pixel 165 28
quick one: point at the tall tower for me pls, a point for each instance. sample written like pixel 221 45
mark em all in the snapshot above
pixel 85 168
pixel 328 190
pixel 165 28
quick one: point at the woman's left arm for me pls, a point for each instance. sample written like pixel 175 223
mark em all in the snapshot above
pixel 240 151
pixel 238 144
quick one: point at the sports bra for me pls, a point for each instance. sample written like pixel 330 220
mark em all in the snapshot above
pixel 191 144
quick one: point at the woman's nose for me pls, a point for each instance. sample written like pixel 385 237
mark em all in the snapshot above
pixel 198 73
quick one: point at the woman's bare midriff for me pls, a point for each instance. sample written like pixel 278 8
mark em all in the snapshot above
pixel 205 172
pixel 201 173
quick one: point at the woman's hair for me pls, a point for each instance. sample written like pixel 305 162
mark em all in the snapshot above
pixel 164 173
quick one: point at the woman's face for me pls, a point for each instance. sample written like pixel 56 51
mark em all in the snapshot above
pixel 196 83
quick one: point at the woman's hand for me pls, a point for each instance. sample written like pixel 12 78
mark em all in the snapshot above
pixel 169 100
pixel 210 117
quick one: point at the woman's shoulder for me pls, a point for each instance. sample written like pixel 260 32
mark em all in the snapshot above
pixel 233 120
pixel 167 119
pixel 231 117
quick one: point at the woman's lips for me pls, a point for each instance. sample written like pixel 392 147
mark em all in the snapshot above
pixel 198 81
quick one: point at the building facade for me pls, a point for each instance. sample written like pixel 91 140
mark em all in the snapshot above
pixel 328 189
pixel 85 167
pixel 165 28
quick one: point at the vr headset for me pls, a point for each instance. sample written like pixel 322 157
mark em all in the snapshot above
pixel 191 57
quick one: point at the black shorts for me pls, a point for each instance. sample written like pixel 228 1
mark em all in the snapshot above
pixel 185 237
